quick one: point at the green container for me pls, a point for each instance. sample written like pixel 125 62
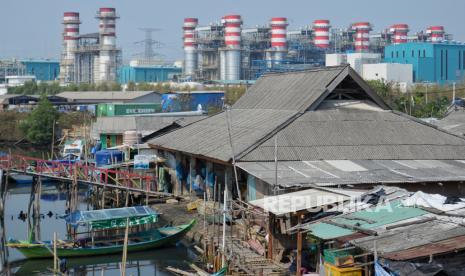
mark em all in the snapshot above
pixel 330 255
pixel 115 109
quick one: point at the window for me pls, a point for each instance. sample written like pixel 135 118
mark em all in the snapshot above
pixel 419 53
pixel 403 54
pixel 397 54
pixel 424 53
pixel 413 53
pixel 442 65
pixel 463 62
pixel 460 60
pixel 447 64
pixel 392 54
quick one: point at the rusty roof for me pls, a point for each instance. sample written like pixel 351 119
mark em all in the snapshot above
pixel 440 247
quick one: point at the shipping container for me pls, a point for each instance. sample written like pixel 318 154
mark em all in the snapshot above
pixel 115 109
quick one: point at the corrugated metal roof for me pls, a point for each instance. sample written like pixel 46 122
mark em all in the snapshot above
pixel 144 124
pixel 405 239
pixel 104 95
pixel 444 246
pixel 367 219
pixel 209 137
pixel 325 173
pixel 342 133
pixel 302 200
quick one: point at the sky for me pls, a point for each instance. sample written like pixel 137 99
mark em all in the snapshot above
pixel 32 28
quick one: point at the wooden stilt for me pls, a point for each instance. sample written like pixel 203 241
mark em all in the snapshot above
pixel 125 249
pixel 299 249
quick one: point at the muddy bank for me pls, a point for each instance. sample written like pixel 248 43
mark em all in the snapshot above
pixel 177 213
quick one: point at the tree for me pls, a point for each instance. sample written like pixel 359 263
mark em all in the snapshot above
pixel 38 126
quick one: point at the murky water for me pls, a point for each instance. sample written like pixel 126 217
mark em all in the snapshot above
pixel 53 202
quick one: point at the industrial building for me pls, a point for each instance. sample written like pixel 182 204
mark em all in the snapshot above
pixel 90 58
pixel 441 63
pixel 148 73
pixel 41 69
pixel 228 51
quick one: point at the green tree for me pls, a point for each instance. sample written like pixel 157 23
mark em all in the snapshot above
pixel 38 126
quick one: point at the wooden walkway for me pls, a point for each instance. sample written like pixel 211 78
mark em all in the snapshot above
pixel 121 179
pixel 244 261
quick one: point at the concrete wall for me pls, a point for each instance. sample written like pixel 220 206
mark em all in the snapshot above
pixel 389 72
pixel 356 60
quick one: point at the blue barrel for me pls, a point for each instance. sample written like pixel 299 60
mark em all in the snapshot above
pixel 108 157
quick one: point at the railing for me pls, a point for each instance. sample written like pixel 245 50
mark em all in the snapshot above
pixel 70 171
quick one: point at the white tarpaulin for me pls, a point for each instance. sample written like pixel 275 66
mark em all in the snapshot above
pixel 436 201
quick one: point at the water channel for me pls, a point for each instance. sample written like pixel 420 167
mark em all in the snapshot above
pixel 52 204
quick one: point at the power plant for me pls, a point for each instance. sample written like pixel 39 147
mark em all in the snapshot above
pixel 90 58
pixel 228 51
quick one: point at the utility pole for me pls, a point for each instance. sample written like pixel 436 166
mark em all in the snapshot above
pixel 453 93
pixel 426 98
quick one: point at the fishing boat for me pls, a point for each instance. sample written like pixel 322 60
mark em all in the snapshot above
pixel 105 221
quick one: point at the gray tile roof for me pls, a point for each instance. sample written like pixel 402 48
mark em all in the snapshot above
pixel 333 134
pixel 104 95
pixel 321 173
pixel 296 90
pixel 144 124
pixel 454 121
pixel 209 137
pixel 294 105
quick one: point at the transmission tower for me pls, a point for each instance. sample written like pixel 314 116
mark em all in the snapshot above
pixel 149 43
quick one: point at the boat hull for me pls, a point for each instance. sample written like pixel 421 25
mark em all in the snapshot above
pixel 37 251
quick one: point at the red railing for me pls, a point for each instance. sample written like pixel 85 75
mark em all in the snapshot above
pixel 80 172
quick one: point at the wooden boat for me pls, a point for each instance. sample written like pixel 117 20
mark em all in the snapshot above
pixel 143 240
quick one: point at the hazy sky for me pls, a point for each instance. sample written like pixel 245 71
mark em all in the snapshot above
pixel 32 28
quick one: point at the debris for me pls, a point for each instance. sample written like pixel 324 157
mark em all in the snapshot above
pixel 172 201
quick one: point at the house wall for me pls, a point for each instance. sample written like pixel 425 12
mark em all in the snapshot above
pixel 111 140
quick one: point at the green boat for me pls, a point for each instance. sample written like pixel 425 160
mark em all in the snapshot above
pixel 108 219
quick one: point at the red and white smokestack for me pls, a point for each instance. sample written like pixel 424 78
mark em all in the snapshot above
pixel 107 59
pixel 400 33
pixel 321 33
pixel 232 31
pixel 362 36
pixel 436 33
pixel 71 24
pixel 190 46
pixel 107 25
pixel 278 38
pixel 279 33
pixel 232 41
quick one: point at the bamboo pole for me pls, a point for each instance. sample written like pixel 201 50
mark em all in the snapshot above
pixel 55 257
pixel 299 249
pixel 223 259
pixel 125 249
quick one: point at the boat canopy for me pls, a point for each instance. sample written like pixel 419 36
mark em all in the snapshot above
pixel 112 218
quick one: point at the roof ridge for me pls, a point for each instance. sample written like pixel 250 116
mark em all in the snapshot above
pixel 303 71
pixel 426 123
